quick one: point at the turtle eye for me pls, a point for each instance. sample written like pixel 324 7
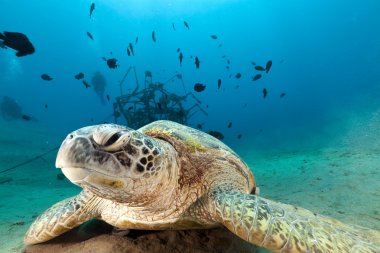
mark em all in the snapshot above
pixel 116 141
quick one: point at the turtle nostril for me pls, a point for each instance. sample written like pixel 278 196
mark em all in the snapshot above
pixel 71 136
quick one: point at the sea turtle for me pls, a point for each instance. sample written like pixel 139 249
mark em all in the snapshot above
pixel 169 176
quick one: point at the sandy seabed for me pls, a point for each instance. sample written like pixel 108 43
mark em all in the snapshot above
pixel 340 181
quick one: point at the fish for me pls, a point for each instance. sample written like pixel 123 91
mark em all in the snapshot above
pixel 128 52
pixel 256 77
pixel 79 76
pixel 245 105
pixel 46 77
pixel 173 26
pixel 227 67
pixel 238 76
pixel 186 25
pixel 159 106
pixel 26 117
pixel 198 87
pixel 92 8
pixel 253 63
pixel 268 66
pixel 18 42
pixel 197 62
pixel 131 48
pixel 90 35
pixel 46 106
pixel 237 86
pixel 220 45
pixel 282 95
pixel 265 93
pixel 199 126
pixel 214 37
pixel 136 40
pixel 112 63
pixel 108 97
pixel 229 125
pixel 259 68
pixel 86 84
pixel 180 58
pixel 178 50
pixel 223 56
pixel 219 83
pixel 130 108
pixel 154 36
pixel 228 62
pixel 216 134
pixel 239 136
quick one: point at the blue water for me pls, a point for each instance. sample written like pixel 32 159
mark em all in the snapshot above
pixel 326 58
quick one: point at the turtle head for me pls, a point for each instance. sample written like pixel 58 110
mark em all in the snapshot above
pixel 116 162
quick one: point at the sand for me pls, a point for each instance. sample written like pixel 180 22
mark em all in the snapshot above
pixel 340 181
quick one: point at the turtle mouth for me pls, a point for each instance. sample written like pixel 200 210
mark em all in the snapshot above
pixel 76 174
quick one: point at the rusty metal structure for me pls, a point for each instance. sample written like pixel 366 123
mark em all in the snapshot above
pixel 153 101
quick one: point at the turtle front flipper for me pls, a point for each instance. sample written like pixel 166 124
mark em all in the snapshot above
pixel 62 217
pixel 285 228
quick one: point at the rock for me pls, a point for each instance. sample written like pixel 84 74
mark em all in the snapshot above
pixel 96 237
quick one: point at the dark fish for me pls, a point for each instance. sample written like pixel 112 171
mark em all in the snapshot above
pixel 112 63
pixel 90 35
pixel 265 92
pixel 137 40
pixel 131 48
pixel 268 66
pixel 159 106
pixel 199 126
pixel 79 76
pixel 256 77
pixel 239 136
pixel 178 49
pixel 245 105
pixel 46 77
pixel 216 134
pixel 259 68
pixel 219 83
pixel 86 84
pixel 230 125
pixel 18 42
pixel 237 76
pixel 128 52
pixel 180 58
pixel 46 106
pixel 228 62
pixel 198 87
pixel 108 97
pixel 173 26
pixel 214 37
pixel 282 95
pixel 154 36
pixel 26 117
pixel 237 86
pixel 130 108
pixel 253 63
pixel 197 62
pixel 92 8
pixel 220 45
pixel 227 67
pixel 223 56
pixel 186 24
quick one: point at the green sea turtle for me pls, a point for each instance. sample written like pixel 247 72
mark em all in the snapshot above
pixel 169 176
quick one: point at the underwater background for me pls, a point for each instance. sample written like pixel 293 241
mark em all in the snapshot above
pixel 312 141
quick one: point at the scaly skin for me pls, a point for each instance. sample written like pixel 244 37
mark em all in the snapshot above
pixel 285 228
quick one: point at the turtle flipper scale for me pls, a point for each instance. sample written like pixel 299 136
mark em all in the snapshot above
pixel 61 217
pixel 285 228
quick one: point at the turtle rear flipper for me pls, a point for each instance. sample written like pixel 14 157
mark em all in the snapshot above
pixel 61 217
pixel 285 228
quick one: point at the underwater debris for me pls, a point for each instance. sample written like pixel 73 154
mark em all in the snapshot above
pixel 197 62
pixel 216 134
pixel 90 35
pixel 92 8
pixel 46 77
pixel 259 68
pixel 18 42
pixel 4 180
pixel 268 66
pixel 198 87
pixel 186 25
pixel 265 93
pixel 256 77
pixel 79 76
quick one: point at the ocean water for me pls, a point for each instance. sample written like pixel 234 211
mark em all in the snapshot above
pixel 317 146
